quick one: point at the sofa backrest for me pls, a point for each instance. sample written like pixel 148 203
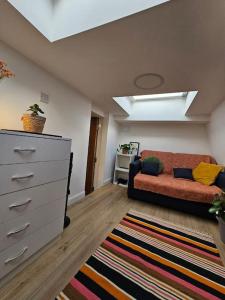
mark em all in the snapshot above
pixel 165 157
pixel 177 160
pixel 184 160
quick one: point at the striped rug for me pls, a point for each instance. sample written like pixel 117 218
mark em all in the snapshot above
pixel 148 258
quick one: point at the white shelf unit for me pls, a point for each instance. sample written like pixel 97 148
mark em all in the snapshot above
pixel 122 167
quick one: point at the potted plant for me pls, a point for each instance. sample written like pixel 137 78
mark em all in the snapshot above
pixel 4 71
pixel 218 208
pixel 125 148
pixel 33 122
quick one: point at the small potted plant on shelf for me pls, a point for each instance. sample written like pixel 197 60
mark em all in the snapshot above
pixel 218 208
pixel 4 71
pixel 125 148
pixel 33 122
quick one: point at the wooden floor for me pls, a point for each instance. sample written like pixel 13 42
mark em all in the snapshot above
pixel 91 221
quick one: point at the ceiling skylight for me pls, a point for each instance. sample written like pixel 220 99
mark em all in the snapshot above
pixel 157 107
pixel 57 19
pixel 160 96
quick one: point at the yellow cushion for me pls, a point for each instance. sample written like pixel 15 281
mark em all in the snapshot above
pixel 206 173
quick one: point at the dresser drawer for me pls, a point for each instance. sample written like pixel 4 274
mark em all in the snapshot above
pixel 17 229
pixel 21 203
pixel 22 176
pixel 12 257
pixel 23 149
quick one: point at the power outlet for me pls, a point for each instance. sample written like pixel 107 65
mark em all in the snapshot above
pixel 44 98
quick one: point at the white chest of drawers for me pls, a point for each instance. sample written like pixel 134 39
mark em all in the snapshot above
pixel 33 181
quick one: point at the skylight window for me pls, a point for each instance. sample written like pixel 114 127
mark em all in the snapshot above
pixel 58 19
pixel 160 96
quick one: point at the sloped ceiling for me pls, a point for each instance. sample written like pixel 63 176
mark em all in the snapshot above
pixel 182 40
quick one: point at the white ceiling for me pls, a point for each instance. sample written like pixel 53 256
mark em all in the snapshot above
pixel 182 40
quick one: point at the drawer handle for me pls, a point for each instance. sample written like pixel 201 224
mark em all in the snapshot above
pixel 14 205
pixel 17 256
pixel 19 149
pixel 18 230
pixel 18 177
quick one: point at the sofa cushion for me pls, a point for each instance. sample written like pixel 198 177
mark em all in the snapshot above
pixel 164 157
pixel 166 184
pixel 206 173
pixel 185 173
pixel 154 159
pixel 150 168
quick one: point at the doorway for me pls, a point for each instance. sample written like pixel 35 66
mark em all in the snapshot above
pixel 92 159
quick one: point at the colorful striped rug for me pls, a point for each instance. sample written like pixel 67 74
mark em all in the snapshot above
pixel 148 258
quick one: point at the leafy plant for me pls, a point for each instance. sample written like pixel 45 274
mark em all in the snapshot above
pixel 35 110
pixel 218 206
pixel 126 147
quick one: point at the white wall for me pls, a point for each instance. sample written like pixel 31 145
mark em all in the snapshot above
pixel 216 133
pixel 171 109
pixel 97 110
pixel 186 138
pixel 68 112
pixel 111 148
pixel 125 103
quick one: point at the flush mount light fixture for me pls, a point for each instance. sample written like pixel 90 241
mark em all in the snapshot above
pixel 149 81
pixel 160 96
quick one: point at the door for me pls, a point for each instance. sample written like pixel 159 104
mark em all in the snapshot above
pixel 93 137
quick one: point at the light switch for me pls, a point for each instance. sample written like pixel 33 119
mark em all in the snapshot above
pixel 44 98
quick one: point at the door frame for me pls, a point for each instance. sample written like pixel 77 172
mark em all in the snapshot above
pixel 92 151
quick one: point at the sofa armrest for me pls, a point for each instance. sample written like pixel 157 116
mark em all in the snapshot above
pixel 137 157
pixel 135 167
pixel 220 181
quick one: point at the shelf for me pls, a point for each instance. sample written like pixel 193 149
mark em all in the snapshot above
pixel 126 155
pixel 123 185
pixel 120 184
pixel 122 170
pixel 122 166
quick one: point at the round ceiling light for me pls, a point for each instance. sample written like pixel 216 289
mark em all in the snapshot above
pixel 149 81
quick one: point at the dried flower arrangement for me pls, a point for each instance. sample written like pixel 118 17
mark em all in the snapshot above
pixel 4 71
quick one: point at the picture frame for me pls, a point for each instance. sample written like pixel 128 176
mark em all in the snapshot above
pixel 136 147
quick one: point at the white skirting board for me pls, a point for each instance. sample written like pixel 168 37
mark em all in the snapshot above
pixel 75 198
pixel 108 180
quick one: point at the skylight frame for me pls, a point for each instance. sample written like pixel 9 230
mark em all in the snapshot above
pixel 160 96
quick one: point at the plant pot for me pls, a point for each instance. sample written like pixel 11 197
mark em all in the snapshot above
pixel 221 229
pixel 124 151
pixel 33 123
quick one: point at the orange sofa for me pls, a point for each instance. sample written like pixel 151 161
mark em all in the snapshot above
pixel 181 194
